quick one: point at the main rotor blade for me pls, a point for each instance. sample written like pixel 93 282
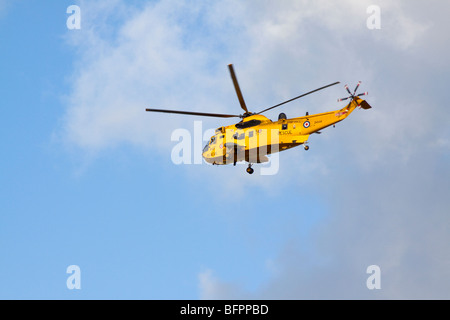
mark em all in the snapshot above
pixel 204 114
pixel 237 88
pixel 298 97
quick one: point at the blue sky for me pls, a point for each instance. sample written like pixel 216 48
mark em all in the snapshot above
pixel 87 176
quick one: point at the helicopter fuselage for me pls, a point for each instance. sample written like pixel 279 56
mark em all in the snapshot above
pixel 256 136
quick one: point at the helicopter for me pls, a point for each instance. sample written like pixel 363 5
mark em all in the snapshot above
pixel 256 136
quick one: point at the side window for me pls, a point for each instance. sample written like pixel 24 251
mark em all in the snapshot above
pixel 250 134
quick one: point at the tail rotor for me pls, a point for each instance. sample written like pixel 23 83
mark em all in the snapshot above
pixel 353 95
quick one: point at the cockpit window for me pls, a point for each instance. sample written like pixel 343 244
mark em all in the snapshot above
pixel 211 142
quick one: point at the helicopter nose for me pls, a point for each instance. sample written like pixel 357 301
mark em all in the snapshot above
pixel 205 152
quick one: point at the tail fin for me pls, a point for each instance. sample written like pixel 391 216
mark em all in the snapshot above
pixel 362 103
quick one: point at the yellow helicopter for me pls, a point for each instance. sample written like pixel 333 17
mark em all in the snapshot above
pixel 256 136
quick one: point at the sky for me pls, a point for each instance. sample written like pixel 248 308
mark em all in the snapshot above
pixel 88 177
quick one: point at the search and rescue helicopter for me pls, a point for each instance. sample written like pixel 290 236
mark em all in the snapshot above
pixel 256 136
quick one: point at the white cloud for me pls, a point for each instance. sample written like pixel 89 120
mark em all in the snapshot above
pixel 173 55
pixel 147 64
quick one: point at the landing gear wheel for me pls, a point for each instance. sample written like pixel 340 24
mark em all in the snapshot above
pixel 250 170
pixel 306 147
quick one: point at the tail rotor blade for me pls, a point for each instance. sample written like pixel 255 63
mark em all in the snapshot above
pixel 357 86
pixel 353 96
pixel 348 90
